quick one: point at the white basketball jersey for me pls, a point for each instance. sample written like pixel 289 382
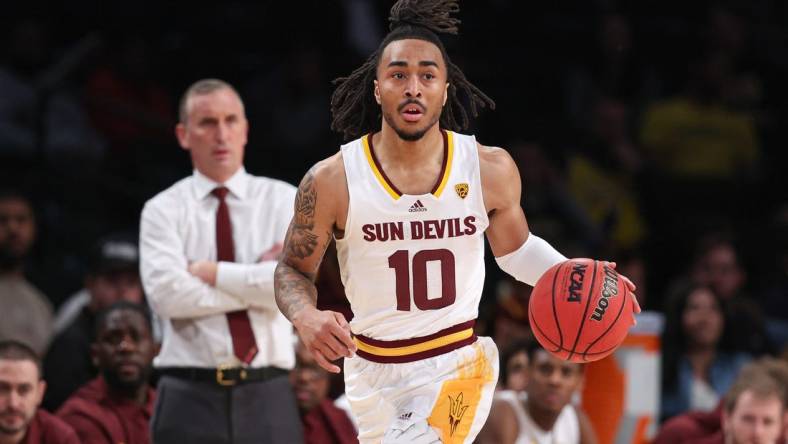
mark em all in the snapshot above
pixel 413 265
pixel 565 431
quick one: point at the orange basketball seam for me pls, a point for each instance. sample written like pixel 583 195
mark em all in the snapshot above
pixel 555 312
pixel 559 347
pixel 542 333
pixel 585 312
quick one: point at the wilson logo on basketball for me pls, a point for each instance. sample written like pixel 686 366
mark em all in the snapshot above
pixel 609 289
pixel 576 282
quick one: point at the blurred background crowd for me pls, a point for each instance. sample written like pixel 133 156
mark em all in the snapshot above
pixel 649 133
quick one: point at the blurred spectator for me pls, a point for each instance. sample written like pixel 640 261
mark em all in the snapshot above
pixel 695 135
pixel 324 423
pixel 728 33
pixel 692 428
pixel 547 199
pixel 125 102
pixel 602 174
pixel 133 110
pixel 755 409
pixel 39 116
pixel 613 67
pixel 295 89
pixel 707 427
pixel 544 413
pixel 717 265
pixel 699 361
pixel 701 158
pixel 113 276
pixel 510 315
pixel 27 313
pixel 116 406
pixel 772 298
pixel 514 366
pixel 362 29
pixel 21 390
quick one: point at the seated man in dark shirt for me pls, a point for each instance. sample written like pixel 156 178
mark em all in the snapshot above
pixel 118 404
pixel 113 276
pixel 324 423
pixel 21 390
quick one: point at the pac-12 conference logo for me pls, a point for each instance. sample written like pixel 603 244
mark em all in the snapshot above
pixel 461 189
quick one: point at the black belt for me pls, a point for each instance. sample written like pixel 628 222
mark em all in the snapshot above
pixel 225 376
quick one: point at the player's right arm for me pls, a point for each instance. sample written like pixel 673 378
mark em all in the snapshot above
pixel 320 200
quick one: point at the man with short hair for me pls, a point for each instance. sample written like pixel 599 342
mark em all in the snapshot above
pixel 754 414
pixel 208 246
pixel 544 413
pixel 117 405
pixel 747 414
pixel 21 390
pixel 113 276
pixel 27 313
pixel 754 409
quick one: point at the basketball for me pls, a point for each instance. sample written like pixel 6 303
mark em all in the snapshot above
pixel 580 310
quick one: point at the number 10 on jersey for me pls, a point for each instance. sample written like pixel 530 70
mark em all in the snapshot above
pixel 402 264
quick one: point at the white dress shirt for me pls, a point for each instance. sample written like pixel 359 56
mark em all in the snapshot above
pixel 178 227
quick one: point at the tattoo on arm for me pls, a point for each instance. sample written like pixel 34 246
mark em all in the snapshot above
pixel 301 240
pixel 294 288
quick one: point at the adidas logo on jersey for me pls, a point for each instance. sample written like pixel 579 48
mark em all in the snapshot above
pixel 417 207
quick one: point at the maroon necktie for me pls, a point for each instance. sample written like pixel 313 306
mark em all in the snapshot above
pixel 244 345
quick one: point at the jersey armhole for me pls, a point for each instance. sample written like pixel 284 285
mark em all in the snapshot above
pixel 348 230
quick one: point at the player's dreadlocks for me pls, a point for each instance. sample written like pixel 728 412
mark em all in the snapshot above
pixel 353 106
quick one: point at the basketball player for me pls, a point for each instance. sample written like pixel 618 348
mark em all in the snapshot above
pixel 408 202
pixel 544 413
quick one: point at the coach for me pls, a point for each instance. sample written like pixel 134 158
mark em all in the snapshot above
pixel 208 247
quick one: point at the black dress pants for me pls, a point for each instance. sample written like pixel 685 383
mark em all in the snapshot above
pixel 190 412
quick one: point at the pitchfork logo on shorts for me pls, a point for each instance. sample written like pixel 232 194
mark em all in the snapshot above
pixel 456 410
pixel 461 189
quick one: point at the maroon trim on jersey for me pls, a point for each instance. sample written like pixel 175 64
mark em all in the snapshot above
pixel 445 161
pixel 416 356
pixel 391 184
pixel 379 167
pixel 413 341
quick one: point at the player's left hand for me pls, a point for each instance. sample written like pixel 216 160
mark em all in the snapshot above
pixel 205 271
pixel 631 286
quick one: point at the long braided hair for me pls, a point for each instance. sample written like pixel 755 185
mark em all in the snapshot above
pixel 353 107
